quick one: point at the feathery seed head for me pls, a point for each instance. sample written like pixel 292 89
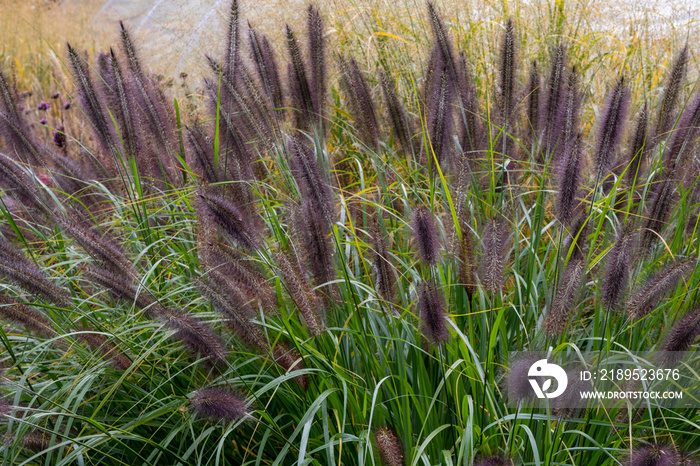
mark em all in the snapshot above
pixel 672 89
pixel 612 126
pixel 495 248
pixel 564 303
pixel 507 72
pixel 215 210
pixel 426 236
pixel 219 404
pixel 552 121
pixel 680 338
pixel 653 455
pixel 389 447
pixel 649 296
pixel 196 336
pixel 638 147
pixel 432 313
pixel 569 181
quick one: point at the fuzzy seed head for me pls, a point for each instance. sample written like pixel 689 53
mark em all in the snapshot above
pixel 426 236
pixel 432 313
pixel 495 250
pixel 681 337
pixel 219 404
pixel 389 447
pixel 617 269
pixel 653 455
pixel 649 296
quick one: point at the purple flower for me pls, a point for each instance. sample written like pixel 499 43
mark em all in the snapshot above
pixel 66 105
pixel 42 121
pixel 43 105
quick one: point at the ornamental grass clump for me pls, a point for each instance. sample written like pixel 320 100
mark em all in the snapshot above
pixel 342 238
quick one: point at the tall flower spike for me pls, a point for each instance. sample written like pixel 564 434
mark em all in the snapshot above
pixel 122 103
pixel 657 214
pixel 649 295
pixel 552 125
pixel 569 181
pixel 517 383
pixel 533 100
pixel 236 319
pixel 612 126
pixel 219 404
pixel 681 141
pixel 565 299
pixel 440 121
pixel 317 53
pixel 426 236
pixel 495 249
pixel 443 41
pixel 432 314
pixel 389 447
pixel 400 123
pixel 672 89
pixel 299 83
pixel 313 184
pixel 232 60
pixel 680 338
pixel 9 98
pixel 507 73
pixel 90 101
pixel 152 108
pixel 638 148
pixel 300 292
pixel 19 140
pixel 470 134
pixel 570 115
pixel 360 101
pixel 200 157
pixel 238 274
pixel 266 65
pixel 14 129
pixel 617 269
pixel 385 281
pixel 314 233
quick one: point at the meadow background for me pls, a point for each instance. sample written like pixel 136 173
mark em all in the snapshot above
pixel 334 298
